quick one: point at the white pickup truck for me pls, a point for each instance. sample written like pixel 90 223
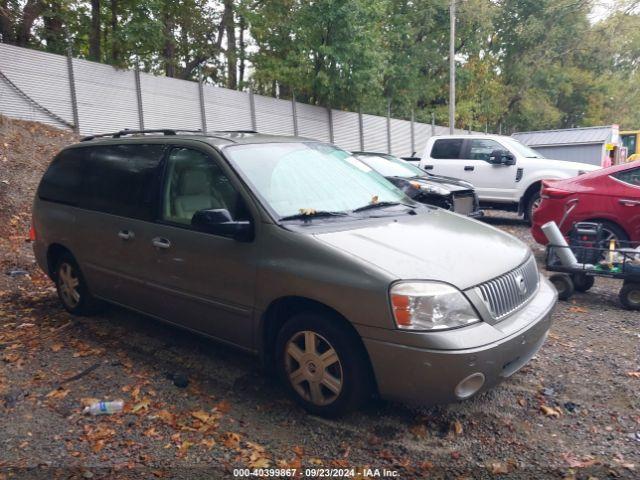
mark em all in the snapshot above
pixel 505 173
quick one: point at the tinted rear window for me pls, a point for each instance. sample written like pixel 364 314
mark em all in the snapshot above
pixel 117 179
pixel 447 148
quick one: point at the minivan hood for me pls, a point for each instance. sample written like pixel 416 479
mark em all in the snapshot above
pixel 436 245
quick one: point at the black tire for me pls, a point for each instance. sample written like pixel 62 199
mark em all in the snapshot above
pixel 582 282
pixel 614 230
pixel 85 304
pixel 352 368
pixel 530 207
pixel 630 295
pixel 564 285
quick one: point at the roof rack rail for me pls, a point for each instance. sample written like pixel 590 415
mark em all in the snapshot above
pixel 234 131
pixel 126 131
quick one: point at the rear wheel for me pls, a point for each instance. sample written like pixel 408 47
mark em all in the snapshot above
pixel 630 295
pixel 611 231
pixel 582 282
pixel 72 287
pixel 322 364
pixel 564 285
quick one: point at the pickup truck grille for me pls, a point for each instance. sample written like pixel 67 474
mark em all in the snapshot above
pixel 506 294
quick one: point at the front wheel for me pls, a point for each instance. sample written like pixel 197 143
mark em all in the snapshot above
pixel 323 364
pixel 630 295
pixel 564 285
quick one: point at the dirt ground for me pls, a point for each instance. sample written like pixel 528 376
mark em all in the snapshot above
pixel 572 412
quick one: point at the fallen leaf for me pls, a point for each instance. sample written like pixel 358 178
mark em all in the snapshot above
pixel 522 402
pixel 223 407
pixel 231 440
pixel 633 374
pixel 57 393
pixel 457 427
pixel 208 442
pixel 167 417
pixel 298 450
pixel 498 468
pixel 550 411
pixel 201 415
pixel 143 405
pixel 56 347
pixel 578 310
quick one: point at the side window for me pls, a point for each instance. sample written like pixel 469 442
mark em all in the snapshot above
pixel 195 182
pixel 482 149
pixel 62 182
pixel 447 148
pixel 123 180
pixel 631 177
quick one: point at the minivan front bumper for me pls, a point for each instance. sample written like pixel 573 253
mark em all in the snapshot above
pixel 412 374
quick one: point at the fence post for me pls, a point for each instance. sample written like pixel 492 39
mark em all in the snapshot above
pixel 203 113
pixel 294 113
pixel 433 123
pixel 389 126
pixel 139 97
pixel 252 109
pixel 72 87
pixel 413 133
pixel 361 129
pixel 330 117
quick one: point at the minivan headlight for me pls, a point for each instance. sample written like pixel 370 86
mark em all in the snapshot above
pixel 430 306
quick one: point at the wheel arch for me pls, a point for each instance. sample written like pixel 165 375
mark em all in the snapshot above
pixel 282 309
pixel 54 251
pixel 534 187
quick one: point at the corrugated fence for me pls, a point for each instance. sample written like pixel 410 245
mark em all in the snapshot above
pixel 95 98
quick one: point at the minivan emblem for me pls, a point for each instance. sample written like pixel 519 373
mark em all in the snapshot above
pixel 520 283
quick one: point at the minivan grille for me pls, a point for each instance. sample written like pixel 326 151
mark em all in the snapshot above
pixel 506 294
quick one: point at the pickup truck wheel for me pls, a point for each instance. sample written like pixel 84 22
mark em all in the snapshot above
pixel 72 287
pixel 564 285
pixel 532 204
pixel 630 295
pixel 321 367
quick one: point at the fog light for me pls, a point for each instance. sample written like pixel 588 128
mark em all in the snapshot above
pixel 469 385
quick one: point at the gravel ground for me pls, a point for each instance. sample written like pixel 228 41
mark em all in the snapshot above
pixel 572 412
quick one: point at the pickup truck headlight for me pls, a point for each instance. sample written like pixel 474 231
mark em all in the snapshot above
pixel 431 188
pixel 430 306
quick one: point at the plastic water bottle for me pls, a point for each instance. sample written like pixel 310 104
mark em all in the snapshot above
pixel 104 408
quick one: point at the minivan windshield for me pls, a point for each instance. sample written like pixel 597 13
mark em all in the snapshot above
pixel 297 177
pixel 391 166
pixel 522 149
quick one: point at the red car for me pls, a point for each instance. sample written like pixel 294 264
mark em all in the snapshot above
pixel 610 196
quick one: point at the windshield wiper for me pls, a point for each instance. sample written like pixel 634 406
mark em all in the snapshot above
pixel 371 206
pixel 310 215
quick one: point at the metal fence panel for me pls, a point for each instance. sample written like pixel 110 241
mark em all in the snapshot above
pixel 274 116
pixel 170 103
pixel 226 109
pixel 43 77
pixel 375 133
pixel 107 99
pixel 346 130
pixel 401 137
pixel 313 122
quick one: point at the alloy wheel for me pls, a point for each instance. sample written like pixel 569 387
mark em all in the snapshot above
pixel 313 368
pixel 68 282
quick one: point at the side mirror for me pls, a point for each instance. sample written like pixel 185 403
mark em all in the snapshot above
pixel 501 157
pixel 219 222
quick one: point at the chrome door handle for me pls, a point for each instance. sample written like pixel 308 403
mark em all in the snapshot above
pixel 126 234
pixel 160 242
pixel 469 168
pixel 628 203
pixel 428 167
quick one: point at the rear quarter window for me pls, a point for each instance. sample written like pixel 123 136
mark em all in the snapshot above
pixel 62 182
pixel 447 148
pixel 117 179
pixel 630 177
